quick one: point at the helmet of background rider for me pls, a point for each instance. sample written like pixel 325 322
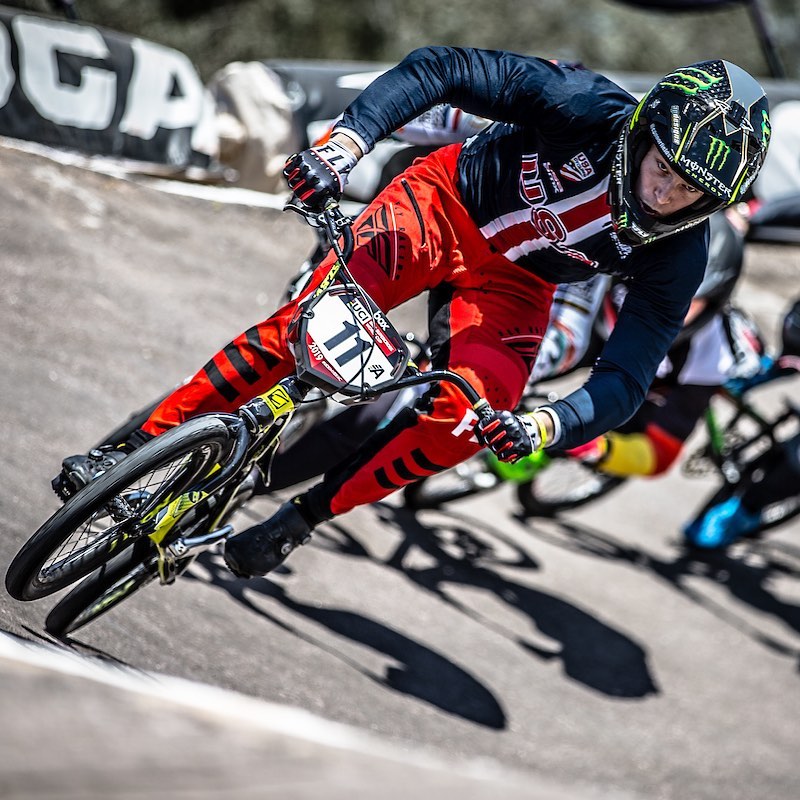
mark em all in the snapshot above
pixel 722 272
pixel 790 331
pixel 710 122
pixel 723 268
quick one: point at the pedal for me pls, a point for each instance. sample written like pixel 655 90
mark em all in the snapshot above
pixel 62 488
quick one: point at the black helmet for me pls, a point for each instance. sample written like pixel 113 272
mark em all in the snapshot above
pixel 710 122
pixel 790 331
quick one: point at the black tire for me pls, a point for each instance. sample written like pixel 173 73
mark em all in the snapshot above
pixel 470 477
pixel 54 557
pixel 566 483
pixel 107 587
pixel 122 576
pixel 779 512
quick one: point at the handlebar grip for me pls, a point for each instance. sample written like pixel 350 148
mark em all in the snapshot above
pixel 483 409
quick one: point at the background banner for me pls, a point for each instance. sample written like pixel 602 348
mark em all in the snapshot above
pixel 67 84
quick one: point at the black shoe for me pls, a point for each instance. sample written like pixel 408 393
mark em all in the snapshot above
pixel 80 470
pixel 260 549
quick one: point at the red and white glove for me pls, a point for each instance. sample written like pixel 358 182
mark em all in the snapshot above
pixel 510 436
pixel 319 174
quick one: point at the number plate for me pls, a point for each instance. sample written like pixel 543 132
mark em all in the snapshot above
pixel 345 343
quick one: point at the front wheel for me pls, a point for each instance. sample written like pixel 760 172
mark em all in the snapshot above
pixel 564 484
pixel 103 519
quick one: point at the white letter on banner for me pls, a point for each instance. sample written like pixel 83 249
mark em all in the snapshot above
pixel 89 105
pixel 150 106
pixel 7 76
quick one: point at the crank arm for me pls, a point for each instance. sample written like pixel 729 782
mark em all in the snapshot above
pixel 181 548
pixel 168 516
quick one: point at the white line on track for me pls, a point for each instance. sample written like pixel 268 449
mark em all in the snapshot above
pixel 232 707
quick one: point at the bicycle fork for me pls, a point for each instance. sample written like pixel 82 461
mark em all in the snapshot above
pixel 259 415
pixel 166 517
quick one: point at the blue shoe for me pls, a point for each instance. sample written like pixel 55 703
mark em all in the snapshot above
pixel 722 525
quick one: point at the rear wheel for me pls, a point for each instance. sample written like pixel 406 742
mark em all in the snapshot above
pixel 103 519
pixel 107 587
pixel 131 570
pixel 566 483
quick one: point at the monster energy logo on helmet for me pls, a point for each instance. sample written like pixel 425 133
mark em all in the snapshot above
pixel 693 79
pixel 718 152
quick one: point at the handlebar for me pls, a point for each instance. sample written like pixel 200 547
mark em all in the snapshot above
pixel 480 405
pixel 331 221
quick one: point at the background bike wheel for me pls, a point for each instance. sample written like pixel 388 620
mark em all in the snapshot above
pixel 106 588
pixel 566 483
pixel 779 512
pixel 463 480
pixel 98 522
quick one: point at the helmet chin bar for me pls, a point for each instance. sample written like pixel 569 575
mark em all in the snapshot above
pixel 629 219
pixel 635 235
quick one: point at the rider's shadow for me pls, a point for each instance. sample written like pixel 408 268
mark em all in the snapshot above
pixel 746 575
pixel 417 671
pixel 462 553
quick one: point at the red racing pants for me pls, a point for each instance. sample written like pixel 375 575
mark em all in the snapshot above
pixel 487 318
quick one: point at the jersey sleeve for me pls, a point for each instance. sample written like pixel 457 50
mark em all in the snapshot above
pixel 498 85
pixel 649 320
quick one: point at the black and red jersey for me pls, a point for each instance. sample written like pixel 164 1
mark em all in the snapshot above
pixel 536 184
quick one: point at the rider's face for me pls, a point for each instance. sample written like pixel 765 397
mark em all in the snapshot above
pixel 660 191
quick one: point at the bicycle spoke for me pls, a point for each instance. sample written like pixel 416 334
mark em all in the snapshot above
pixel 115 522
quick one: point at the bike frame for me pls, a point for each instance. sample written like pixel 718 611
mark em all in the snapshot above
pixel 255 430
pixel 730 458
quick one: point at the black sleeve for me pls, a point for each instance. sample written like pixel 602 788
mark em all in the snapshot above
pixel 496 84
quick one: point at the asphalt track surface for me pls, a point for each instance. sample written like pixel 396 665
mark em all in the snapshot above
pixel 463 653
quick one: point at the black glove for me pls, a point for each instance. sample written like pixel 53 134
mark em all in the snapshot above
pixel 319 174
pixel 509 436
